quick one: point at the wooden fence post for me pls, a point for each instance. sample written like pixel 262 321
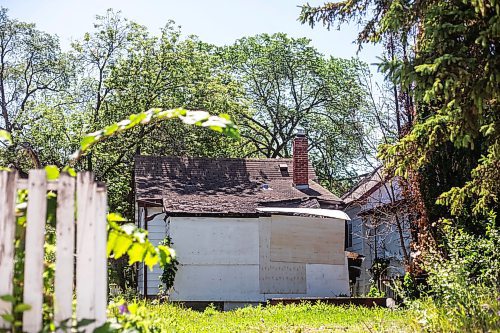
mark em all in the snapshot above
pixel 85 250
pixel 91 261
pixel 65 241
pixel 101 263
pixel 7 233
pixel 91 266
pixel 34 252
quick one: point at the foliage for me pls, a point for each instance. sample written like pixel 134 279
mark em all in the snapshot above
pixel 122 238
pixel 375 292
pixel 31 66
pixel 306 317
pixel 377 270
pixel 465 287
pixel 289 84
pixel 167 277
pixel 450 155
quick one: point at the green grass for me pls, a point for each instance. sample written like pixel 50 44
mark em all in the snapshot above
pixel 290 318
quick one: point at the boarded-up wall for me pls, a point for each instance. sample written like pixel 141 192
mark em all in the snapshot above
pixel 213 241
pixel 219 259
pixel 229 259
pixel 278 277
pixel 307 240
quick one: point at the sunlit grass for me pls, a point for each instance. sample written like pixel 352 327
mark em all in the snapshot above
pixel 290 318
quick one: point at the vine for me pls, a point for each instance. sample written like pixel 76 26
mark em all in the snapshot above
pixel 167 278
pixel 123 237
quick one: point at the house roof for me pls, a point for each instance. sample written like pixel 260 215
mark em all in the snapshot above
pixel 365 187
pixel 193 185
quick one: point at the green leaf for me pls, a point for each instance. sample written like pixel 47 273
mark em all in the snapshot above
pixel 84 322
pixel 8 298
pixel 111 129
pixel 112 236
pixel 115 217
pixel 69 170
pixel 86 142
pixel 5 138
pixel 106 328
pixel 22 307
pixel 150 260
pixel 165 255
pixel 121 246
pixel 132 308
pixel 136 253
pixel 8 317
pixel 52 172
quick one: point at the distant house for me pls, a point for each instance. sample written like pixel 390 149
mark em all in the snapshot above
pixel 379 230
pixel 245 230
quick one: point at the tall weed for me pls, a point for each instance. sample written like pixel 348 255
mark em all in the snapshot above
pixel 464 286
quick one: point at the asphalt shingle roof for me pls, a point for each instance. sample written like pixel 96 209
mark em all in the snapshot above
pixel 206 185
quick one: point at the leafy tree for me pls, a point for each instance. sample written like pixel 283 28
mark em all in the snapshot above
pixel 32 70
pixel 289 84
pixel 451 153
pixel 166 71
pixel 94 57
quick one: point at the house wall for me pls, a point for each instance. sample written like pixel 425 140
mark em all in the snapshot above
pixel 229 259
pixel 156 233
pixel 387 244
pixel 359 245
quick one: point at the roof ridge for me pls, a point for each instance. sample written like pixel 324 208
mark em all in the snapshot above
pixel 215 158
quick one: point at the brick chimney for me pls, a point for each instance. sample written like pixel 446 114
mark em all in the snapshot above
pixel 300 160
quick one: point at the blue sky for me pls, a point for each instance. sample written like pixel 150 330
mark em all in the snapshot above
pixel 217 21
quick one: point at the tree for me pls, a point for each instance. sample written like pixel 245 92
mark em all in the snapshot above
pixel 451 155
pixel 289 84
pixel 95 55
pixel 169 72
pixel 32 71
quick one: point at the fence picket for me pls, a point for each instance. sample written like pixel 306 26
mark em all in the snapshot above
pixel 90 247
pixel 34 252
pixel 101 268
pixel 7 234
pixel 65 241
pixel 86 252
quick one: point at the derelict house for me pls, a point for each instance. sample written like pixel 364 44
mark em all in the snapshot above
pixel 244 230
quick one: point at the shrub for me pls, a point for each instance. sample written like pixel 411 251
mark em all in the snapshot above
pixel 464 286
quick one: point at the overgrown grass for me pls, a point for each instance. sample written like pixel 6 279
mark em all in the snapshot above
pixel 290 318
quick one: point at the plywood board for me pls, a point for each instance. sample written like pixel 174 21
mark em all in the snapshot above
pixel 327 280
pixel 217 283
pixel 215 241
pixel 277 277
pixel 307 240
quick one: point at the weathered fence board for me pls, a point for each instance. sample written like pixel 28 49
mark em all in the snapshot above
pixel 34 252
pixel 90 247
pixel 65 258
pixel 7 233
pixel 101 265
pixel 85 244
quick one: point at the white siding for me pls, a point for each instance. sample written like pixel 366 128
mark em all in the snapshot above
pixel 219 258
pixel 156 233
pixel 387 243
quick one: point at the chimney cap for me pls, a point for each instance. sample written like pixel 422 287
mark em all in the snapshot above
pixel 300 131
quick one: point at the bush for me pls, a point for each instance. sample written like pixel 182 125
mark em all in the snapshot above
pixel 464 286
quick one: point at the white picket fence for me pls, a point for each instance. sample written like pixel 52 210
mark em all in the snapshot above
pixel 80 199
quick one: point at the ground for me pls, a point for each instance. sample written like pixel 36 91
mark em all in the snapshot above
pixel 290 318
